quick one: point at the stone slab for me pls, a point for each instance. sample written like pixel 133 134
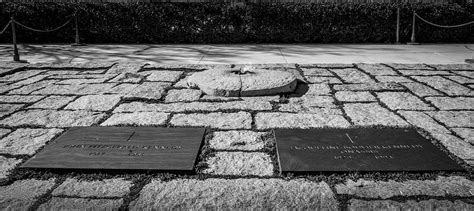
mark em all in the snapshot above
pixel 371 114
pixel 98 188
pixel 143 148
pixel 240 164
pixel 137 118
pixel 431 204
pixel 52 118
pixel 26 141
pixel 56 203
pixel 364 149
pixel 94 102
pixel 237 140
pixel 299 120
pixel 23 193
pixel 6 165
pixel 239 120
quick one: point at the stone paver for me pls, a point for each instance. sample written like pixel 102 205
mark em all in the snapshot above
pixel 94 102
pixel 458 147
pixel 421 90
pixel 26 141
pixel 4 87
pixel 122 89
pixel 167 76
pixel 239 120
pixel 53 102
pixel 83 81
pixel 466 133
pixel 149 90
pixel 195 106
pixel 22 194
pixel 371 114
pixel 424 121
pixel 376 69
pixel 98 188
pixel 423 72
pixel 127 78
pixel 369 87
pixel 182 95
pixel 56 203
pixel 82 66
pixel 20 98
pixel 394 79
pixel 460 79
pixel 33 87
pixel 125 68
pixel 454 118
pixel 444 85
pixel 312 89
pixel 6 165
pixel 31 80
pixel 234 194
pixel 240 163
pixel 469 74
pixel 442 186
pixel 316 72
pixel 399 66
pixel 452 103
pixel 237 140
pixel 463 66
pixel 299 120
pixel 51 118
pixel 353 76
pixel 4 131
pixel 350 96
pixel 317 79
pixel 313 101
pixel 6 109
pixel 137 118
pixel 24 74
pixel 402 100
pixel 75 89
pixel 432 204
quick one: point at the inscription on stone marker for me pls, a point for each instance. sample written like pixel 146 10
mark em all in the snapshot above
pixel 365 149
pixel 132 148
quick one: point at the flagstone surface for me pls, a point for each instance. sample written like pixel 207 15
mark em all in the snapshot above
pixel 237 166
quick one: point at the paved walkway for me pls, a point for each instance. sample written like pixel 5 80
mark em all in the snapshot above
pixel 253 54
pixel 237 167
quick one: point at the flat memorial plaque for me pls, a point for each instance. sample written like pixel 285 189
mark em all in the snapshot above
pixel 127 148
pixel 367 149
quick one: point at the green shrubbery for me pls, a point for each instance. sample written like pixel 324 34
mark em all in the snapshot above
pixel 253 23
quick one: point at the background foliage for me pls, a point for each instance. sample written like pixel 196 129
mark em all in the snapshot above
pixel 223 23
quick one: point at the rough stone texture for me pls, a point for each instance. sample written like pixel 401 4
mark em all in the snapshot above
pixel 371 114
pixel 4 131
pixel 53 102
pixel 122 89
pixel 469 74
pixel 235 194
pixel 432 204
pixel 80 65
pixel 311 89
pixel 137 118
pixel 75 89
pixel 299 120
pixel 7 164
pixel 376 69
pixel 98 188
pixel 394 79
pixel 456 146
pixel 20 98
pixel 240 163
pixel 125 68
pixel 24 74
pixel 353 75
pixel 195 106
pixel 222 82
pixel 31 80
pixel 442 186
pixel 350 96
pixel 33 87
pixel 316 72
pixel 317 79
pixel 149 90
pixel 83 81
pixel 94 102
pixel 82 76
pixel 421 90
pixel 51 118
pixel 423 72
pixel 81 204
pixel 169 76
pixel 4 87
pixel 328 65
pixel 466 133
pixel 449 103
pixel 22 194
pixel 6 109
pixel 182 95
pixel 453 66
pixel 210 98
pixel 409 66
pixel 460 79
pixel 26 141
pixel 369 87
pixel 237 140
pixel 402 100
pixel 307 102
pixel 447 86
pixel 424 121
pixel 454 118
pixel 240 120
pixel 302 108
pixel 128 78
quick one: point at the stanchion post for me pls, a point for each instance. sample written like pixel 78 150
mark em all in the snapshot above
pixel 398 26
pixel 76 21
pixel 16 55
pixel 413 40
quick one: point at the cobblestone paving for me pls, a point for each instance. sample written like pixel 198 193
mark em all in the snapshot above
pixel 237 167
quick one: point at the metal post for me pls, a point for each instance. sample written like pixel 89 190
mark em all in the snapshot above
pixel 16 55
pixel 413 40
pixel 77 40
pixel 398 26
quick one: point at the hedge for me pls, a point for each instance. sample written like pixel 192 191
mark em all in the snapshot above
pixel 250 23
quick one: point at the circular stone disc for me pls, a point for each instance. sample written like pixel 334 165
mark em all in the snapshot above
pixel 224 82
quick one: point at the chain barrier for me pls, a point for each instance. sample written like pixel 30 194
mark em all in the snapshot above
pixel 413 40
pixel 39 30
pixel 6 27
